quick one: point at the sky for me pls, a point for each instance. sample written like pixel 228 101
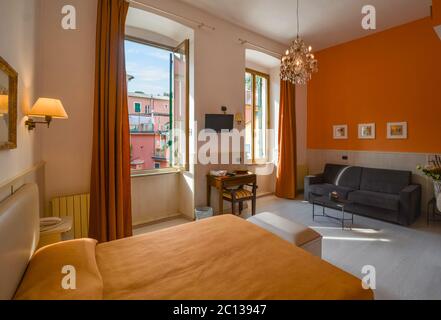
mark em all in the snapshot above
pixel 150 66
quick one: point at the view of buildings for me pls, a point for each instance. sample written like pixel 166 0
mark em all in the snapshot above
pixel 149 119
pixel 148 75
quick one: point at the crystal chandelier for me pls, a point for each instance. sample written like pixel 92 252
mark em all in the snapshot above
pixel 298 63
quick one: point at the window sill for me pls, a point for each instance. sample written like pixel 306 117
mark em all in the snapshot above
pixel 259 163
pixel 154 172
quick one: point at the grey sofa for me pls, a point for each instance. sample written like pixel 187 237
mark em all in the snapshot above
pixel 382 194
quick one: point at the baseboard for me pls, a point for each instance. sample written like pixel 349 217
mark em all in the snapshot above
pixel 149 223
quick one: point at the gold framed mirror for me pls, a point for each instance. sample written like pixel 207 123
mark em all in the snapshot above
pixel 8 106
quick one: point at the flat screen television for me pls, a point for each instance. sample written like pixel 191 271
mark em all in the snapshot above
pixel 219 122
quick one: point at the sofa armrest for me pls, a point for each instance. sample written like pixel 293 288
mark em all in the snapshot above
pixel 410 204
pixel 310 180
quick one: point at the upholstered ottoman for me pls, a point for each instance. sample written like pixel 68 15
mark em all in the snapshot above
pixel 296 233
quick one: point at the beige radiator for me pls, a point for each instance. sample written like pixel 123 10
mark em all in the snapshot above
pixel 77 207
pixel 302 171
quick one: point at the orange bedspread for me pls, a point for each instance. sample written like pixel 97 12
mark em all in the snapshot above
pixel 223 257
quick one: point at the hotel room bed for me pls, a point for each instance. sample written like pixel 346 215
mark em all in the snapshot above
pixel 222 258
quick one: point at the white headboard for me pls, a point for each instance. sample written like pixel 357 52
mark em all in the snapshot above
pixel 19 236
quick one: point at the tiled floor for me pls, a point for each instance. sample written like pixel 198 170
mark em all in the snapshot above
pixel 407 260
pixel 159 225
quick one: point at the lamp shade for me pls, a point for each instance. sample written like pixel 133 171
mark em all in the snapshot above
pixel 4 103
pixel 48 107
pixel 238 117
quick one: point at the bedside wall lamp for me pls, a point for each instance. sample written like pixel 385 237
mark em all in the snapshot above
pixel 4 104
pixel 238 117
pixel 47 108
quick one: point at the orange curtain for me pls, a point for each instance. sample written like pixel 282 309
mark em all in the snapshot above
pixel 286 169
pixel 110 195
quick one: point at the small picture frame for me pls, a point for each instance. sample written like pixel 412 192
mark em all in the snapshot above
pixel 397 130
pixel 340 131
pixel 366 131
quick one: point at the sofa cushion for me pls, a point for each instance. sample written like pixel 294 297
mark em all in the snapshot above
pixel 376 199
pixel 331 172
pixel 382 180
pixel 324 189
pixel 349 177
pixel 341 175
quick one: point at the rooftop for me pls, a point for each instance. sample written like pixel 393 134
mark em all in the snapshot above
pixel 147 96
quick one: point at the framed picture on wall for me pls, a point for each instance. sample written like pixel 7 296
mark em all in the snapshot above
pixel 341 132
pixel 397 130
pixel 366 131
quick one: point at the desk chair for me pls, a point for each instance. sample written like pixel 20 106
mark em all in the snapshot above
pixel 239 195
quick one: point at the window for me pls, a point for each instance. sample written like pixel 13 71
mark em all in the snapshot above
pixel 256 116
pixel 137 107
pixel 158 119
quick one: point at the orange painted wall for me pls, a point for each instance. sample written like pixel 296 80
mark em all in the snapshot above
pixel 392 76
pixel 436 12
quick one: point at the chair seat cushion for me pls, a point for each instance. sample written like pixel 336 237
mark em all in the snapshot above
pixel 376 199
pixel 240 194
pixel 326 188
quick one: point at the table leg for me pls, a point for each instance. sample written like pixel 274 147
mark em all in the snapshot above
pixel 313 211
pixel 254 201
pixel 208 194
pixel 221 202
pixel 343 219
pixel 428 213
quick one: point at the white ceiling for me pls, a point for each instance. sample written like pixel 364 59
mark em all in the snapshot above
pixel 323 23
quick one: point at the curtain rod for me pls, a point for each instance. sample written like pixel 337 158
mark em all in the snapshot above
pixel 244 42
pixel 198 23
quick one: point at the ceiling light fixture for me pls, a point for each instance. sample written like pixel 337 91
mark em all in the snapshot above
pixel 298 63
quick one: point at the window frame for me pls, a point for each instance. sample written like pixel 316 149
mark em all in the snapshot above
pixel 172 169
pixel 254 74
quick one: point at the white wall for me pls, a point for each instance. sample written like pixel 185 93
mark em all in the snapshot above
pixel 66 70
pixel 154 198
pixel 17 47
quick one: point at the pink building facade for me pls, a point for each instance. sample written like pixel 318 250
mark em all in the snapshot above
pixel 149 119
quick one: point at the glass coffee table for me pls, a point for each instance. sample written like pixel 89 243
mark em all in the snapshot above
pixel 340 205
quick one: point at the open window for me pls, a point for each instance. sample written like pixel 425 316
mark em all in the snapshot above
pixel 256 116
pixel 181 95
pixel 158 101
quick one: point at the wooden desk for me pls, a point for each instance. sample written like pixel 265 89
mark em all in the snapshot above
pixel 220 183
